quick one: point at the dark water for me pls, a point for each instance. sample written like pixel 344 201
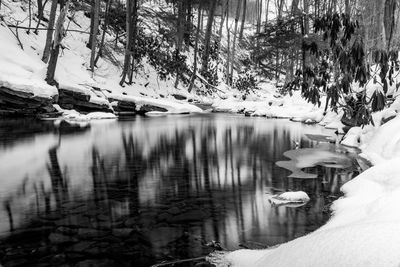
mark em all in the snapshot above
pixel 140 191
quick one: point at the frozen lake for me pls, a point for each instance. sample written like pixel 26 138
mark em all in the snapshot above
pixel 138 191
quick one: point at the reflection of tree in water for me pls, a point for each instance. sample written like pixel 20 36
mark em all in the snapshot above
pixel 73 230
pixel 58 182
pixel 169 198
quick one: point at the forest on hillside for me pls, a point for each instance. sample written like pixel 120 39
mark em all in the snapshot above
pixel 346 50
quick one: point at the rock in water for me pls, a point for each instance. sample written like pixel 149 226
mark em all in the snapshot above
pixel 288 198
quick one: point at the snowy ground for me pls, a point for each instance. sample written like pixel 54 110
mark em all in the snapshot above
pixel 22 70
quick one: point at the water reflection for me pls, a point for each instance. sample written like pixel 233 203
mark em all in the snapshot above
pixel 131 193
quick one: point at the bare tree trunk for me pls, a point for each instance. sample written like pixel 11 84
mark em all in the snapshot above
pixel 243 20
pixel 291 53
pixel 380 25
pixel 202 19
pixel 228 48
pixel 41 7
pixel 347 7
pixel 207 37
pixel 134 37
pixel 131 21
pixel 106 13
pixel 389 21
pixel 58 36
pixel 94 34
pixel 224 14
pixel 30 16
pixel 179 36
pixel 258 11
pixel 92 11
pixel 235 37
pixel 188 21
pixel 49 36
pixel 196 48
pixel 266 14
pixel 306 29
pixel 128 42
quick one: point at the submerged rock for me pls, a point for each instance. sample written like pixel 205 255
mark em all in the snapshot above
pixel 57 238
pixel 189 216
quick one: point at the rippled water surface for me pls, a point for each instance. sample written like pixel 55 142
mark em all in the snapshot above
pixel 145 190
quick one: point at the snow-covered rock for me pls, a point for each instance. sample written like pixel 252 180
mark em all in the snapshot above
pixel 384 143
pixel 298 197
pixel 144 105
pixel 353 137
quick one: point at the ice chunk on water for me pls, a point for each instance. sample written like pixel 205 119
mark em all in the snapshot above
pixel 311 157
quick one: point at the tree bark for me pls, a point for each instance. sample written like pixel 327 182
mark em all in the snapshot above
pixel 58 36
pixel 243 20
pixel 224 14
pixel 49 36
pixel 196 47
pixel 188 21
pixel 30 16
pixel 92 11
pixel 128 42
pixel 134 38
pixel 41 7
pixel 266 14
pixel 179 36
pixel 389 21
pixel 94 34
pixel 207 37
pixel 235 35
pixel 347 7
pixel 101 45
pixel 228 48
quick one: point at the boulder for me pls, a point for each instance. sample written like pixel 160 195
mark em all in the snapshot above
pixel 189 216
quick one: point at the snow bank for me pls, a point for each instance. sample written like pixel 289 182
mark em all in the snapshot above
pixel 384 143
pixel 28 86
pixel 360 136
pixel 21 72
pixel 293 107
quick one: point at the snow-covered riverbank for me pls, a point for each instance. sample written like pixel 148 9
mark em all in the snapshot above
pixel 23 90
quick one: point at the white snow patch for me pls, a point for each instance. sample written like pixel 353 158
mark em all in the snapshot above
pixel 385 142
pixel 289 198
